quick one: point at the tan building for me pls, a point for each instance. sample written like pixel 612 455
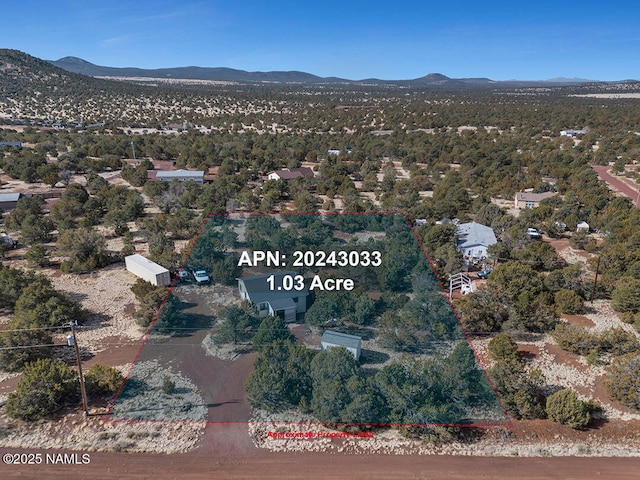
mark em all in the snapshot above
pixel 530 199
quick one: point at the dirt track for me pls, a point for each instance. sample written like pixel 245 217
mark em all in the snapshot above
pixel 204 465
pixel 617 184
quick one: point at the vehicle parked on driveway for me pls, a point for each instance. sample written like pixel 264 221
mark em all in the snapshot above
pixel 484 273
pixel 201 276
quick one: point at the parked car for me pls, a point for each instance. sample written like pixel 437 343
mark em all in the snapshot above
pixel 183 274
pixel 484 273
pixel 201 276
pixel 534 233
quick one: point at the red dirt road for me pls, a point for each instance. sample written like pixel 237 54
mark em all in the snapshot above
pixel 327 466
pixel 617 184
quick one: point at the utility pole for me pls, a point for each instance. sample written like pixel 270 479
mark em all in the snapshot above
pixel 72 340
pixel 133 149
pixel 595 280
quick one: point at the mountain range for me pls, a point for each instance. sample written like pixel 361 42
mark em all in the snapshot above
pixel 78 65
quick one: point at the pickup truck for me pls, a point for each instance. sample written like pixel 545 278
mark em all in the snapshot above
pixel 201 277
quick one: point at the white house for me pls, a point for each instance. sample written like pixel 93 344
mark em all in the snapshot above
pixel 181 175
pixel 271 295
pixel 473 239
pixel 290 173
pixel 573 133
pixel 332 339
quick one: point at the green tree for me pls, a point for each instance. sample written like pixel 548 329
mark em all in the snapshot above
pixel 502 347
pixel 567 409
pixel 46 385
pixel 519 391
pixel 22 342
pixel 85 250
pixel 626 295
pixel 102 380
pixel 37 256
pixel 569 302
pixel 43 306
pixel 235 325
pixel 271 329
pixel 623 380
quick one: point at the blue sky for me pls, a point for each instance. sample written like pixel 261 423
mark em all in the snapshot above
pixel 527 40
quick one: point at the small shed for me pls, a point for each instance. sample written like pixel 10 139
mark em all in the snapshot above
pixel 332 339
pixel 147 270
pixel 582 227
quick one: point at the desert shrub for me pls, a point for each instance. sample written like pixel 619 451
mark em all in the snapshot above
pixel 567 409
pixel 619 342
pixel 37 256
pixel 46 385
pixel 149 306
pixel 168 386
pixel 102 380
pixel 141 288
pixel 575 339
pixel 581 341
pixel 518 390
pixel 568 301
pixel 623 380
pixel 502 347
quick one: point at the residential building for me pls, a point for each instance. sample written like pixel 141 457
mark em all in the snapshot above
pixel 530 199
pixel 8 201
pixel 473 239
pixel 352 343
pixel 573 133
pixel 181 175
pixel 17 145
pixel 290 173
pixel 272 296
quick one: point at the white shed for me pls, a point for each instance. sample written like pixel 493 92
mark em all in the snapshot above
pixel 332 339
pixel 582 226
pixel 147 270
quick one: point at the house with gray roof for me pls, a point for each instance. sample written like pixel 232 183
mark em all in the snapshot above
pixel 181 175
pixel 352 343
pixel 277 301
pixel 8 201
pixel 17 145
pixel 473 239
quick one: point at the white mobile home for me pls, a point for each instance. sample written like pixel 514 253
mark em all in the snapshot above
pixel 147 270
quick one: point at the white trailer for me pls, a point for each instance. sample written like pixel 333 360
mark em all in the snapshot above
pixel 147 270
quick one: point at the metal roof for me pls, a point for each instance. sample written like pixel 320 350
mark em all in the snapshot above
pixel 471 234
pixel 341 339
pixel 258 288
pixel 144 262
pixel 534 197
pixel 179 173
pixel 10 197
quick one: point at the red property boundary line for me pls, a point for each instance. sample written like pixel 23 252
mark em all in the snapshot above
pixel 150 328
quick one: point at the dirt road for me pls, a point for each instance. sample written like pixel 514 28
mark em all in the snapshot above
pixel 617 184
pixel 324 466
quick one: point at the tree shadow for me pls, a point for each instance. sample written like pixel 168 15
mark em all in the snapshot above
pixel 373 357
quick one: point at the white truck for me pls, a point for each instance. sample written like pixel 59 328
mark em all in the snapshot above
pixel 201 276
pixel 147 270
